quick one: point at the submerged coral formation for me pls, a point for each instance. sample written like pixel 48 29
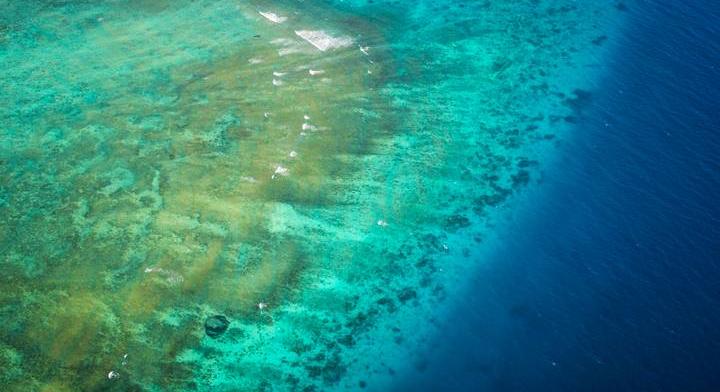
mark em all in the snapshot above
pixel 323 179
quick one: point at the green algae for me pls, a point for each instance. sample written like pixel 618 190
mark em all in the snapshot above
pixel 152 175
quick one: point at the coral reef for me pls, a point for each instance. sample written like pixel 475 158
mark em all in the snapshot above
pixel 168 167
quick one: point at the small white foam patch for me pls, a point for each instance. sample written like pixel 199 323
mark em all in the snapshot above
pixel 322 40
pixel 313 72
pixel 171 277
pixel 280 170
pixel 273 17
pixel 277 82
pixel 255 60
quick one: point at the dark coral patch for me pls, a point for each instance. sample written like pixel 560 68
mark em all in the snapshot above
pixel 407 294
pixel 580 101
pixel 216 326
pixel 456 221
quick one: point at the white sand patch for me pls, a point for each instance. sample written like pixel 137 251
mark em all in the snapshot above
pixel 290 46
pixel 322 40
pixel 290 50
pixel 273 17
pixel 282 41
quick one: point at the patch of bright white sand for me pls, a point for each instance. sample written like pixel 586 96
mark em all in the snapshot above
pixel 282 41
pixel 322 40
pixel 273 17
pixel 290 46
pixel 287 51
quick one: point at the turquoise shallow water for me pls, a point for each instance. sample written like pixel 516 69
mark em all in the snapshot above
pixel 323 175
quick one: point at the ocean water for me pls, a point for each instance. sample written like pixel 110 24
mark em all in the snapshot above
pixel 606 277
pixel 372 195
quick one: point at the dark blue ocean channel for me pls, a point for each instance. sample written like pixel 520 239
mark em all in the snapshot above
pixel 610 278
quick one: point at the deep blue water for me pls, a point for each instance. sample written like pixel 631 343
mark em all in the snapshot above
pixel 610 279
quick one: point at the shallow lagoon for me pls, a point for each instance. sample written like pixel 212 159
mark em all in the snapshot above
pixel 165 162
